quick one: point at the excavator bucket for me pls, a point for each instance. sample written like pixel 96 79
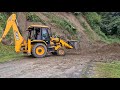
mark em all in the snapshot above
pixel 6 42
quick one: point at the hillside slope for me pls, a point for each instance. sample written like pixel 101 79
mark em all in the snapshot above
pixel 52 19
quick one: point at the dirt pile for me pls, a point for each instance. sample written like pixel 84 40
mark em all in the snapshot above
pixel 115 47
pixel 99 53
pixel 106 53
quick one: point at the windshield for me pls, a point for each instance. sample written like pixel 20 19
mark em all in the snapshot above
pixel 39 34
pixel 45 34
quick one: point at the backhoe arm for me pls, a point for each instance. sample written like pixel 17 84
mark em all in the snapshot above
pixel 11 22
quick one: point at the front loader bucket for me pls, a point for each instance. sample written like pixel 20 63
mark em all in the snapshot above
pixel 74 44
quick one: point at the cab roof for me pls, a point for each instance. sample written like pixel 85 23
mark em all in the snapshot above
pixel 39 26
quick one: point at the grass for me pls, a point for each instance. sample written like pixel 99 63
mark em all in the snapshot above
pixel 87 29
pixel 10 57
pixel 34 18
pixel 8 53
pixel 108 70
pixel 61 23
pixel 93 19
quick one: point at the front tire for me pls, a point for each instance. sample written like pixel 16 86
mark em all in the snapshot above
pixel 61 52
pixel 39 50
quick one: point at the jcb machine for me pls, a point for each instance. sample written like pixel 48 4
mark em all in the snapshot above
pixel 39 40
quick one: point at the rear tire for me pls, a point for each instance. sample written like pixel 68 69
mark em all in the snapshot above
pixel 39 50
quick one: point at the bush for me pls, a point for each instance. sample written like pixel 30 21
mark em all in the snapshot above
pixel 95 21
pixel 3 19
pixel 77 13
pixel 110 24
pixel 34 18
pixel 62 23
pixel 65 25
pixel 93 18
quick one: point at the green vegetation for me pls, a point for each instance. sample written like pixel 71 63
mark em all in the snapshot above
pixel 62 23
pixel 3 20
pixel 8 53
pixel 110 24
pixel 87 29
pixel 34 18
pixel 104 24
pixel 94 20
pixel 108 70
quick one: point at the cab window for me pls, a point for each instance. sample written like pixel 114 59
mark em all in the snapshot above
pixel 45 34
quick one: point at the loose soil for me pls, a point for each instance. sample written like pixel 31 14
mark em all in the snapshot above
pixel 75 64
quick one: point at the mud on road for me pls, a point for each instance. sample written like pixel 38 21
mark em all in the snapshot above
pixel 48 67
pixel 75 64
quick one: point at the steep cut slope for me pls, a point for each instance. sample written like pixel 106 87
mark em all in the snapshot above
pixel 54 29
pixel 83 19
pixel 84 39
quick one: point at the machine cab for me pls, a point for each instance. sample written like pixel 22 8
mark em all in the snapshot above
pixel 39 32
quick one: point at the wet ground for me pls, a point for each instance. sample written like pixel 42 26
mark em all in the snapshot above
pixel 75 64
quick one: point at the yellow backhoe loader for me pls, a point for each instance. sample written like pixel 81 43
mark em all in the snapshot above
pixel 39 40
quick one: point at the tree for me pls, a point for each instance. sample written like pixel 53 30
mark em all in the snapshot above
pixel 110 23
